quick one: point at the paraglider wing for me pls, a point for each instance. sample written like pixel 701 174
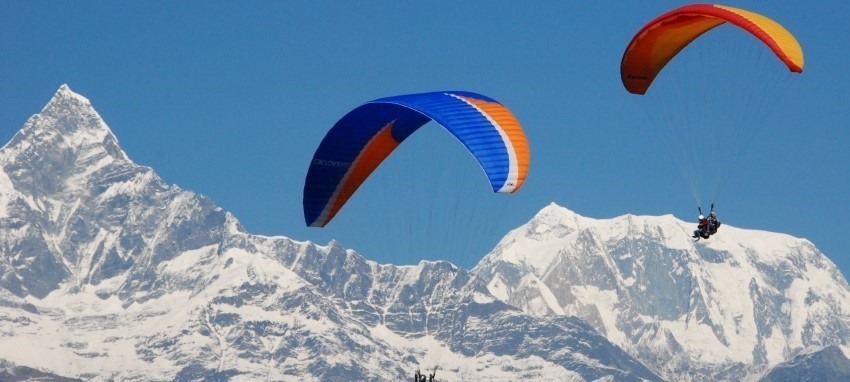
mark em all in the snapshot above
pixel 364 137
pixel 664 37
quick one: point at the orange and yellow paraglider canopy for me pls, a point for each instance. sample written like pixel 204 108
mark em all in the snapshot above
pixel 664 37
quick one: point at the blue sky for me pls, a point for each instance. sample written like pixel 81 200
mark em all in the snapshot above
pixel 230 99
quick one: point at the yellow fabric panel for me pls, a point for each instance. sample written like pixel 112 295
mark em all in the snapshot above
pixel 784 39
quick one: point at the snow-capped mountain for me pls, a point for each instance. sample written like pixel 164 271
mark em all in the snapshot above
pixel 108 273
pixel 724 308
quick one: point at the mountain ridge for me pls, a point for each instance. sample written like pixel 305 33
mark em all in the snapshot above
pixel 648 287
pixel 108 272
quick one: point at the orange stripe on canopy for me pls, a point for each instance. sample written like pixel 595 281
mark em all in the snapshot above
pixel 665 36
pixel 380 147
pixel 518 152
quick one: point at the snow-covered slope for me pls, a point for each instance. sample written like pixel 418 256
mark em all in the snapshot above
pixel 716 308
pixel 108 273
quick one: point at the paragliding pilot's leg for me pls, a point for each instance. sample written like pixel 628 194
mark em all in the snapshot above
pixel 714 224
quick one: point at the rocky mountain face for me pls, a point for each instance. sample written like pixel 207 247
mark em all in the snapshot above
pixel 719 309
pixel 828 364
pixel 108 273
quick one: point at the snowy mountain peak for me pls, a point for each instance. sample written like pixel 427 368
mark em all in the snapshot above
pixel 73 113
pixel 65 94
pixel 60 146
pixel 68 124
pixel 79 211
pixel 554 210
pixel 742 297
